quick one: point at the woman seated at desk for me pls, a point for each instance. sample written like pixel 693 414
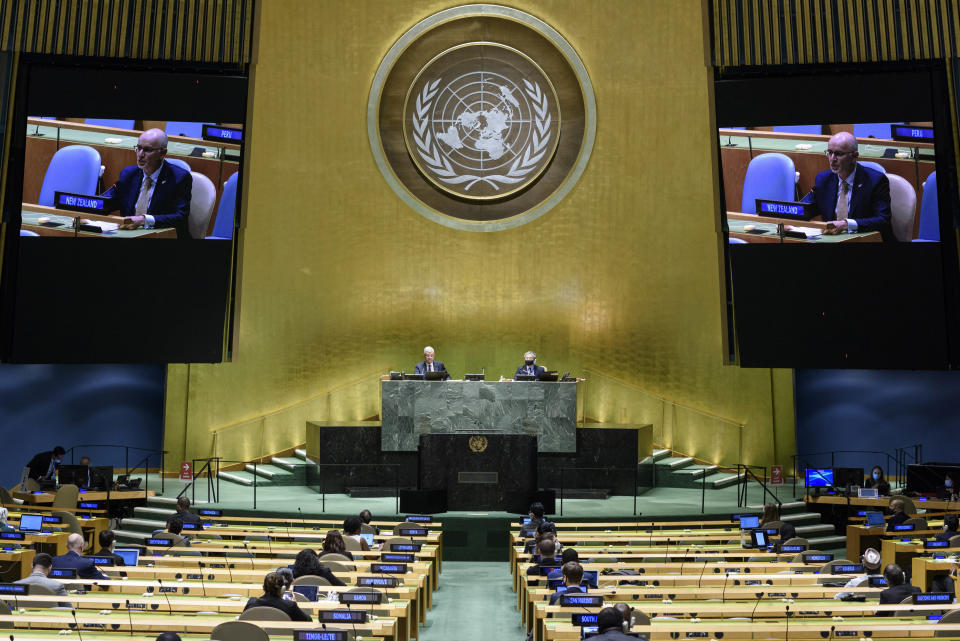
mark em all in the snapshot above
pixel 273 585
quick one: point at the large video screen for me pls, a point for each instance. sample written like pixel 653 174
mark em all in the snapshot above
pixel 122 211
pixel 833 209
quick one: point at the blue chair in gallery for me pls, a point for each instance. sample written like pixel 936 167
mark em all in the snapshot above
pixel 814 130
pixel 189 129
pixel 929 230
pixel 874 130
pixel 223 225
pixel 108 122
pixel 873 165
pixel 74 169
pixel 771 177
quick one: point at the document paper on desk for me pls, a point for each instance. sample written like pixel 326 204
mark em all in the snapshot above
pixel 103 225
pixel 809 232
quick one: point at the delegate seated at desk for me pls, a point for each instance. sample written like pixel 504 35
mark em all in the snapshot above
pixel 530 367
pixel 428 364
pixel 851 197
pixel 153 193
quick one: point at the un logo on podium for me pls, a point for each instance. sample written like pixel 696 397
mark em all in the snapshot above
pixel 478 443
pixel 481 121
pixel 481 117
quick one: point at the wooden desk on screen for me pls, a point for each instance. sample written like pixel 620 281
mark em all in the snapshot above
pixel 766 230
pixel 30 215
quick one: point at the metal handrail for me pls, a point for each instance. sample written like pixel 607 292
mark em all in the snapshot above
pixel 396 480
pixel 748 472
pixel 636 480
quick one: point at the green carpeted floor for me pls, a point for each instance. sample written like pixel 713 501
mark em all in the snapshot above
pixel 475 602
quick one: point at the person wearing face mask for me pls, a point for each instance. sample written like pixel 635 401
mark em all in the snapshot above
pixel 949 490
pixel 950 527
pixel 877 480
pixel 530 367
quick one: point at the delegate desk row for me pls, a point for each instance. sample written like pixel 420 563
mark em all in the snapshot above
pixel 912 161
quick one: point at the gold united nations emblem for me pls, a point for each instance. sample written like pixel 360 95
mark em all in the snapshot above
pixel 481 117
pixel 478 443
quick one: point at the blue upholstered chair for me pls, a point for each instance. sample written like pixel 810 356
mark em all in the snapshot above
pixel 27 232
pixel 929 212
pixel 873 165
pixel 769 176
pixel 108 122
pixel 75 169
pixel 223 225
pixel 815 130
pixel 903 207
pixel 182 164
pixel 874 130
pixel 190 129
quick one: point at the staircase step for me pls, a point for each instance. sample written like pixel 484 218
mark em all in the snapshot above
pixel 792 506
pixel 697 471
pixel 801 518
pixel 162 501
pixel 674 462
pixel 660 454
pixel 143 525
pixel 156 513
pixel 269 472
pixel 128 536
pixel 288 464
pixel 806 531
pixel 718 481
pixel 240 478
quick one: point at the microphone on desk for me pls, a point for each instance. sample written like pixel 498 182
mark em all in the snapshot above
pixel 203 586
pixel 229 567
pixel 76 623
pixel 169 607
pixel 250 554
pixel 129 617
pixel 702 570
pixel 756 605
pixel 723 591
pixel 786 632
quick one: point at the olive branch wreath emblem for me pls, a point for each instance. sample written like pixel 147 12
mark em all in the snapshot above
pixel 429 150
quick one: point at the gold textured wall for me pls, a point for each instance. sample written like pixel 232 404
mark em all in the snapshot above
pixel 341 281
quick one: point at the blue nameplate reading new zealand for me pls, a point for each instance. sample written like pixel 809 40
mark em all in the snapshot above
pixel 785 209
pixel 342 616
pixel 78 202
pixel 211 132
pixel 361 597
pixel 911 133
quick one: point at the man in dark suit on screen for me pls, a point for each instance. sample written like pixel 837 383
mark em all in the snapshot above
pixel 851 197
pixel 429 364
pixel 530 367
pixel 153 193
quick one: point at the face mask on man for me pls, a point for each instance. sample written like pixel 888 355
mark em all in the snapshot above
pixel 529 363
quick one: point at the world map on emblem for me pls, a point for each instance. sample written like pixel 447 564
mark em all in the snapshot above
pixel 481 121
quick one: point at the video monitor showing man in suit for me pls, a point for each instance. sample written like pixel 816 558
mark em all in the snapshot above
pixel 97 178
pixel 830 183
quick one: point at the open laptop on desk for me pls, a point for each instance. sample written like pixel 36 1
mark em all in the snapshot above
pixel 875 519
pixel 130 556
pixel 31 523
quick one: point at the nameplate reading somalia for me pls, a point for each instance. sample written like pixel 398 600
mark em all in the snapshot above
pixel 481 121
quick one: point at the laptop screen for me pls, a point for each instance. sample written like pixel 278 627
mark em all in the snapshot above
pixel 130 556
pixel 31 523
pixel 309 591
pixel 368 537
pixel 748 522
pixel 875 519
